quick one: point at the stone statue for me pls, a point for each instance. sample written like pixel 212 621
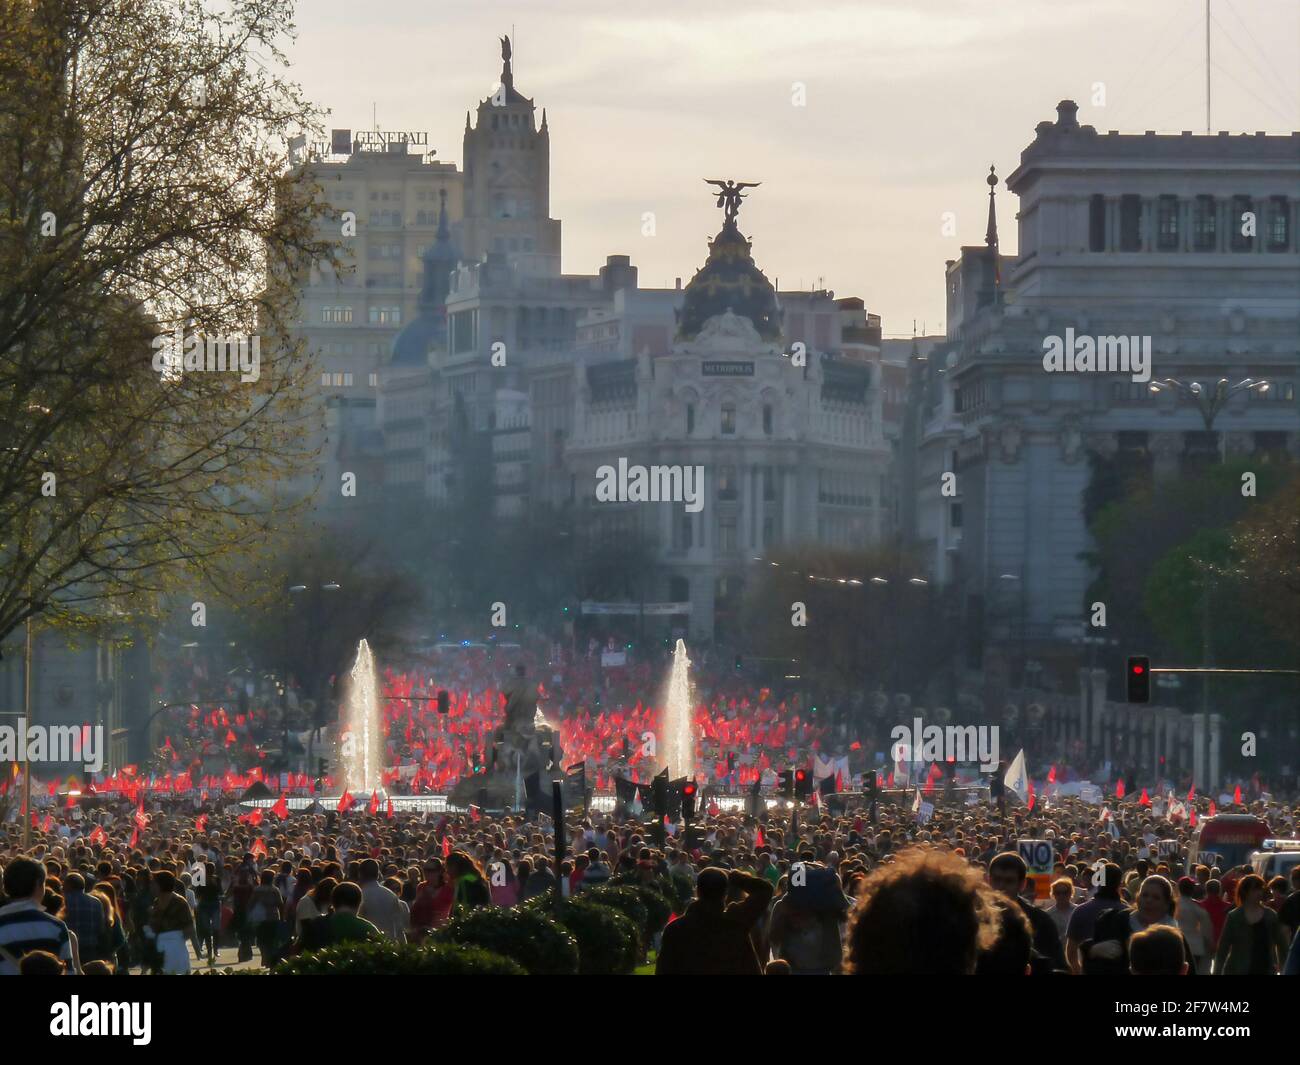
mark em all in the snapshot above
pixel 729 195
pixel 505 49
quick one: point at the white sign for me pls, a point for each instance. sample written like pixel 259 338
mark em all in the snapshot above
pixel 609 659
pixel 1166 847
pixel 1038 854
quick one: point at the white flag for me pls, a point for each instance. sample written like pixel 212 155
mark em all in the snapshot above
pixel 1017 779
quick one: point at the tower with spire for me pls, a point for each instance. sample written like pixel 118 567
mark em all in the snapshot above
pixel 507 160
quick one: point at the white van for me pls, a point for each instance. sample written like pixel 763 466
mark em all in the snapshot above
pixel 1275 857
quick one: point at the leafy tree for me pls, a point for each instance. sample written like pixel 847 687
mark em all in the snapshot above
pixel 143 192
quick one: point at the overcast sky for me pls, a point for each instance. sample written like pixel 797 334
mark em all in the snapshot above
pixel 908 102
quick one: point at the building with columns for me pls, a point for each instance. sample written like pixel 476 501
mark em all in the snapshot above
pixel 1186 242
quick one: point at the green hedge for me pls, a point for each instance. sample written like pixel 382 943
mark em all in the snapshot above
pixel 393 959
pixel 677 893
pixel 628 901
pixel 527 934
pixel 608 942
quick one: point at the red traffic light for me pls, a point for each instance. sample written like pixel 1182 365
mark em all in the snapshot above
pixel 1138 668
pixel 688 789
pixel 800 775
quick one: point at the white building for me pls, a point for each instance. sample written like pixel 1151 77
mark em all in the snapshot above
pixel 1188 242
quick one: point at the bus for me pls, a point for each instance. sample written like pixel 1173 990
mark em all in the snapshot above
pixel 1226 840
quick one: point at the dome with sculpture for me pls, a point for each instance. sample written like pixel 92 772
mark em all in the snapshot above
pixel 729 281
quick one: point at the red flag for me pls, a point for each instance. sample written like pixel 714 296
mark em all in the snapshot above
pixel 373 807
pixel 254 818
pixel 47 824
pixel 258 848
pixel 1144 799
pixel 446 846
pixel 230 737
pixel 1191 793
pixel 345 801
pixel 474 814
pixel 389 812
pixel 141 819
pixel 201 823
pixel 98 835
pixel 281 807
pixel 1119 788
pixel 1191 820
pixel 1051 775
pixel 54 788
pixel 855 746
pixel 1212 809
pixel 759 839
pixel 1030 803
pixel 72 801
pixel 135 838
pixel 1236 795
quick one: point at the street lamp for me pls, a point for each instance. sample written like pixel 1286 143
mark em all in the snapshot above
pixel 294 589
pixel 1209 401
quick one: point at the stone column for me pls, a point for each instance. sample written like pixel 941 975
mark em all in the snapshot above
pixel 1199 776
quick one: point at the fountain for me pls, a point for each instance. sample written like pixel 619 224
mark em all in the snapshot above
pixel 679 736
pixel 362 744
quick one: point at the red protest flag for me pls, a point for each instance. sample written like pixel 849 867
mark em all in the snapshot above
pixel 1212 808
pixel 258 848
pixel 99 836
pixel 281 807
pixel 54 788
pixel 1144 799
pixel 345 801
pixel 141 818
pixel 72 801
pixel 47 824
pixel 1191 793
pixel 135 838
pixel 201 823
pixel 759 840
pixel 389 812
pixel 230 737
pixel 1236 795
pixel 446 846
pixel 1119 788
pixel 373 807
pixel 1051 775
pixel 1192 819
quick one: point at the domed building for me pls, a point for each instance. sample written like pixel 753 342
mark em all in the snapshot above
pixel 753 438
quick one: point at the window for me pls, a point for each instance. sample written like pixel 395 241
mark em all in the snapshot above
pixel 769 484
pixel 1097 223
pixel 726 482
pixel 347 380
pixel 1279 225
pixel 325 380
pixel 1130 223
pixel 374 380
pixel 1239 241
pixel 954 515
pixel 1204 224
pixel 690 418
pixel 767 419
pixel 727 534
pixel 728 419
pixel 1167 224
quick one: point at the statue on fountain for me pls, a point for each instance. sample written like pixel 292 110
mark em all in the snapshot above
pixel 524 750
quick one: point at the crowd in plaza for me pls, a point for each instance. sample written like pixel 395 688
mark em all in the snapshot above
pixel 125 890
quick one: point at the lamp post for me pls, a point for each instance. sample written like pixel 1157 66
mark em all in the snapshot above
pixel 293 590
pixel 1209 399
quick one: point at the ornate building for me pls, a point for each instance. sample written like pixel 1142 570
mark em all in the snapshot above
pixel 1186 242
pixel 791 449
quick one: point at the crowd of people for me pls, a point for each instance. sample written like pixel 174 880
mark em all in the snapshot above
pixel 863 889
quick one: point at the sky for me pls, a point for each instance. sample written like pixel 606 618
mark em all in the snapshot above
pixel 907 103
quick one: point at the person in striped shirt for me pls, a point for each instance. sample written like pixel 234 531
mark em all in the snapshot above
pixel 24 924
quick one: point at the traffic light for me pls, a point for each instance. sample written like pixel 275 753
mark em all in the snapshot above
pixel 444 702
pixel 688 800
pixel 802 783
pixel 787 783
pixel 1139 679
